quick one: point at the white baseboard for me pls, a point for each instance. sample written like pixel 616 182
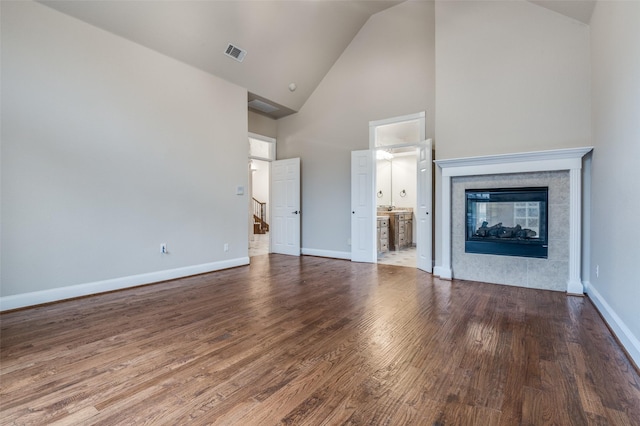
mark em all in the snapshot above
pixel 56 294
pixel 327 253
pixel 575 287
pixel 625 336
pixel 444 273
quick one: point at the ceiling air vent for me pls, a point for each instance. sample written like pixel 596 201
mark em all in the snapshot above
pixel 262 106
pixel 235 52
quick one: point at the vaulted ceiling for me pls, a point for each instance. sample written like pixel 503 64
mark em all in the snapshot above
pixel 580 10
pixel 286 41
pixel 295 41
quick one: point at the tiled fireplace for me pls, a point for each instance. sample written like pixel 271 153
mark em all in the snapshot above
pixel 549 271
pixel 554 263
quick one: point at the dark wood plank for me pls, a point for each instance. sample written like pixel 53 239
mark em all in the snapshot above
pixel 311 341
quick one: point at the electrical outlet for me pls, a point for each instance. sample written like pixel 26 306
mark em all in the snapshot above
pixel 226 246
pixel 163 248
pixel 348 241
pixel 597 271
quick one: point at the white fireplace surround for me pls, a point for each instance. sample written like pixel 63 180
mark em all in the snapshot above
pixel 541 161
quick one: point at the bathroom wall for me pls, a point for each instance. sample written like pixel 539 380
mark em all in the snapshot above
pixel 393 176
pixel 404 178
pixel 383 182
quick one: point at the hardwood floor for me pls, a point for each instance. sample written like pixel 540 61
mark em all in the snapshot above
pixel 311 341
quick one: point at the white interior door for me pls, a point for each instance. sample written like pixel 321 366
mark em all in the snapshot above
pixel 285 207
pixel 363 220
pixel 423 213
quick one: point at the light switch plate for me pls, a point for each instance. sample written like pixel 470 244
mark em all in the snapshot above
pixel 240 190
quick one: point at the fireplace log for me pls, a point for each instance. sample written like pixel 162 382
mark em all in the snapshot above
pixel 508 232
pixel 505 232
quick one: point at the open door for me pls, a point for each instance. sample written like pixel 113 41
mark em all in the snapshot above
pixel 285 207
pixel 423 213
pixel 363 223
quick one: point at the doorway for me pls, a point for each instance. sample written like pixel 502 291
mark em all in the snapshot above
pixel 262 151
pixel 259 208
pixel 391 206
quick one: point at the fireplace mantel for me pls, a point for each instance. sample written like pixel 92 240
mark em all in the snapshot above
pixel 554 160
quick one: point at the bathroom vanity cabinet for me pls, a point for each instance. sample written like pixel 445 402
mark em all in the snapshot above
pixel 400 229
pixel 383 234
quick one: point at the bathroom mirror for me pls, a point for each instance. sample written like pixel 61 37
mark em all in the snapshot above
pixel 396 178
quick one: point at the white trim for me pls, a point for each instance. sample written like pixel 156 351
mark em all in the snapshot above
pixel 445 195
pixel 398 146
pixel 262 137
pixel 272 148
pixel 255 157
pixel 327 253
pixel 399 119
pixel 558 159
pixel 442 273
pixel 521 157
pixel 61 293
pixel 518 167
pixel 586 219
pixel 410 117
pixel 630 343
pixel 574 283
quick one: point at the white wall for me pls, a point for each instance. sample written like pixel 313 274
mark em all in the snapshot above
pixel 510 77
pixel 108 150
pixel 262 125
pixel 615 59
pixel 387 71
pixel 405 176
pixel 383 182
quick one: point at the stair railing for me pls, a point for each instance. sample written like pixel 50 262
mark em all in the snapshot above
pixel 260 216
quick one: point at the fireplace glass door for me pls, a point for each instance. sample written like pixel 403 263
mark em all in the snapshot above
pixel 508 222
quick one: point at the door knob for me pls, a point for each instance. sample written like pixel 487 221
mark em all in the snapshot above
pixel 296 212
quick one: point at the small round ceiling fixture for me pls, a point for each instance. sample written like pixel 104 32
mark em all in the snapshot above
pixel 292 87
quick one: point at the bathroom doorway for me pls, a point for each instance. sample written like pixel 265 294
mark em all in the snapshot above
pixel 403 191
pixel 396 202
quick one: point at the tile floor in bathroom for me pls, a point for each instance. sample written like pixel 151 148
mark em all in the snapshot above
pixel 406 257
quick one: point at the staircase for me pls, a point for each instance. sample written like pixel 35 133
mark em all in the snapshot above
pixel 260 225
